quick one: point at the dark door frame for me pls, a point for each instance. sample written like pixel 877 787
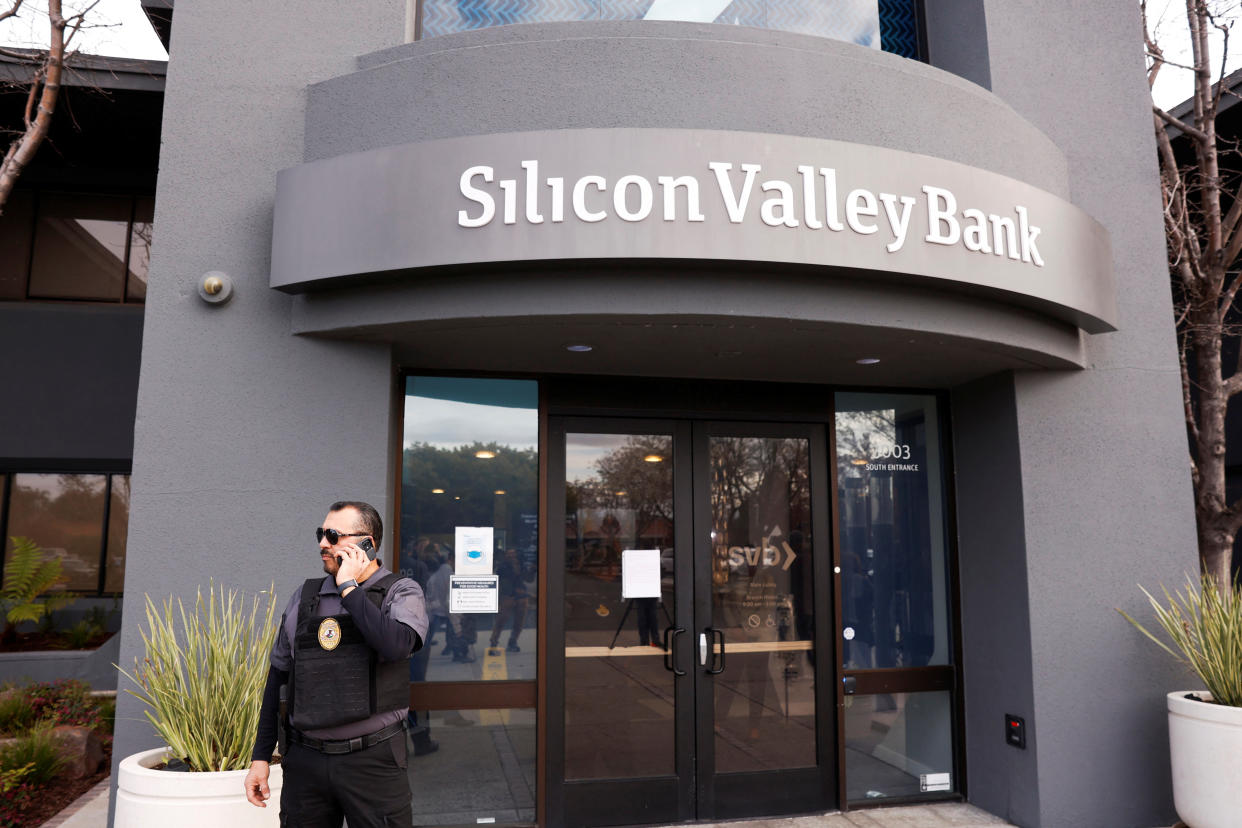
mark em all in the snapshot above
pixel 789 791
pixel 693 792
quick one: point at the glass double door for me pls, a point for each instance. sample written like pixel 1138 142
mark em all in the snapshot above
pixel 691 564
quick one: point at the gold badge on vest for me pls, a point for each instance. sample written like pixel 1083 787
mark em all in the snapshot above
pixel 329 634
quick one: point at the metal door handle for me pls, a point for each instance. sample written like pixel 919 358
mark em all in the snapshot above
pixel 670 641
pixel 713 670
pixel 702 649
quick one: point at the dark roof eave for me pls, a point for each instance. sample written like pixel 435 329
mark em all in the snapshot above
pixel 94 71
pixel 1233 93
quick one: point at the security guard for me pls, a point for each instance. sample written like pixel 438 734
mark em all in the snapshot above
pixel 343 650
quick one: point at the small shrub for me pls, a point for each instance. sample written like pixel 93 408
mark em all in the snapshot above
pixel 107 714
pixel 16 793
pixel 33 585
pixel 1203 625
pixel 203 673
pixel 79 636
pixel 64 702
pixel 39 752
pixel 16 714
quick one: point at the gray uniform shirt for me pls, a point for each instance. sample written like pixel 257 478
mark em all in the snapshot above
pixel 403 602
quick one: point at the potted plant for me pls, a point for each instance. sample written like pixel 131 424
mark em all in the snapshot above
pixel 202 681
pixel 1204 631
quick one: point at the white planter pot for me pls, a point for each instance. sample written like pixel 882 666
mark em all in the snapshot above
pixel 1205 747
pixel 147 798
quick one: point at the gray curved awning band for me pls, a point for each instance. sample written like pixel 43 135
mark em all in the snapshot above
pixel 616 194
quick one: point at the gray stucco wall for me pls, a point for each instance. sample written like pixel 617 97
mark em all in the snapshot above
pixel 995 605
pixel 1107 500
pixel 244 433
pixel 72 374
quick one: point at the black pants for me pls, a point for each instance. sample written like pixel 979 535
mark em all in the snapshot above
pixel 370 788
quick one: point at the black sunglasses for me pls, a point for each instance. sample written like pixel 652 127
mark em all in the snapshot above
pixel 334 536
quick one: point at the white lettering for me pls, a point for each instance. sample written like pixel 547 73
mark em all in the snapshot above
pixel 1027 233
pixel 532 192
pixel 809 218
pixel 830 199
pixel 975 236
pixel 509 188
pixel 579 197
pixel 557 185
pixel 620 201
pixel 899 223
pixel 938 216
pixel 480 197
pixel 857 204
pixel 1003 241
pixel 735 204
pixel 785 201
pixel 632 199
pixel 669 186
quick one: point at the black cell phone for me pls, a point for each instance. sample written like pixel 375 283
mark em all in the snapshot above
pixel 366 546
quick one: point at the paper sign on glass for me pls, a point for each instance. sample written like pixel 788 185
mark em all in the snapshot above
pixel 473 550
pixel 640 573
pixel 474 593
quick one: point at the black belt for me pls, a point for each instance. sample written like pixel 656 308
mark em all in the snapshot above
pixel 346 745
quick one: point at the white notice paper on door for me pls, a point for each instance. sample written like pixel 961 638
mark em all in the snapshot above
pixel 473 552
pixel 640 573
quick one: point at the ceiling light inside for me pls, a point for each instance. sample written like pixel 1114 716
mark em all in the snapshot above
pixel 654 458
pixel 485 454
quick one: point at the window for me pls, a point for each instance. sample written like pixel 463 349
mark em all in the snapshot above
pixel 62 246
pixel 895 597
pixel 470 468
pixel 469 508
pixel 482 772
pixel 82 519
pixel 894 570
pixel 890 25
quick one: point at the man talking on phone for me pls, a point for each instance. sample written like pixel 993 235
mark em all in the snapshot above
pixel 343 651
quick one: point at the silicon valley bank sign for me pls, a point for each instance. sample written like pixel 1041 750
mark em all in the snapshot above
pixel 812 201
pixel 855 211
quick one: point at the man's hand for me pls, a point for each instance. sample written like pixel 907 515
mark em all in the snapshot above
pixel 354 563
pixel 256 784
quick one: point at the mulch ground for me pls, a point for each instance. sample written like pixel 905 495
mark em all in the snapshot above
pixel 46 641
pixel 60 793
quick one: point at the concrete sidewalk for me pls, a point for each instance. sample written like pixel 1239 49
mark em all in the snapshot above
pixel 91 811
pixel 940 815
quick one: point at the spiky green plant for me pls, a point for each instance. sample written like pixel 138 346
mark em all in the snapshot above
pixel 202 678
pixel 1204 626
pixel 37 756
pixel 29 574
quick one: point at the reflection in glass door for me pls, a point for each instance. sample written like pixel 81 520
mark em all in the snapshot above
pixel 692 610
pixel 619 708
pixel 761 603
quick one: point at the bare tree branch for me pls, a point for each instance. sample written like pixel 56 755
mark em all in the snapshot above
pixel 1202 209
pixel 45 87
pixel 12 11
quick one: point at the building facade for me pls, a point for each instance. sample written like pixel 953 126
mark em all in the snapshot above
pixel 775 399
pixel 74 254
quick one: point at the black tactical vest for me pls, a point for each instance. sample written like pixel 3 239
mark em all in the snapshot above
pixel 337 677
